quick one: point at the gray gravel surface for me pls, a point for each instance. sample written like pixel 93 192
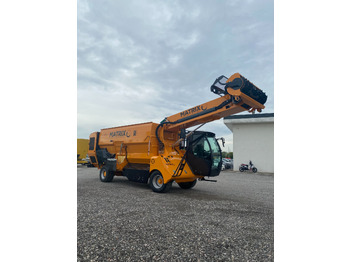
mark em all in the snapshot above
pixel 231 220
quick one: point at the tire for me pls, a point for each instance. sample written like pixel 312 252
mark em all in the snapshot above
pixel 241 169
pixel 156 182
pixel 187 185
pixel 255 170
pixel 106 175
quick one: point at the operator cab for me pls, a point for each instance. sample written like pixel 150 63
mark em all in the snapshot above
pixel 204 154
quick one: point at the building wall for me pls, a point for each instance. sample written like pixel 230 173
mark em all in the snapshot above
pixel 255 142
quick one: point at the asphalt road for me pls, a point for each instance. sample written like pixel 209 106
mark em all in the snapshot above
pixel 231 220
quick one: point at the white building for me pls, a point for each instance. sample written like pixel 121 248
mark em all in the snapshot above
pixel 252 140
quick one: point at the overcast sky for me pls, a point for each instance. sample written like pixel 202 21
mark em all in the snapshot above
pixel 141 61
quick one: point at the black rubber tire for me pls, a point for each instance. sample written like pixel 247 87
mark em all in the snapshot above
pixel 187 185
pixel 156 183
pixel 106 175
pixel 254 170
pixel 241 169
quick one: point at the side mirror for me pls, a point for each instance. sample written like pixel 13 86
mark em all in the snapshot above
pixel 222 140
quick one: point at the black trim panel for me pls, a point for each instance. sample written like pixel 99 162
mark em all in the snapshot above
pixel 92 143
pixel 136 175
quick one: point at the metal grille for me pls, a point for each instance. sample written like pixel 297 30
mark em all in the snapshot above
pixel 92 143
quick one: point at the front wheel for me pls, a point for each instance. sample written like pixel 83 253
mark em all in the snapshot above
pixel 255 170
pixel 187 185
pixel 106 175
pixel 156 182
pixel 241 169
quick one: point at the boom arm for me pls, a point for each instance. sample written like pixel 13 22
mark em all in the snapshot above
pixel 238 95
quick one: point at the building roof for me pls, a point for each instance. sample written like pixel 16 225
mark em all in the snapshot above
pixel 250 116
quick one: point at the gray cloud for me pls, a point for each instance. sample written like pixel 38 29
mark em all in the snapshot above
pixel 140 61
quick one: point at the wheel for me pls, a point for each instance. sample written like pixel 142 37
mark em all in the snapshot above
pixel 106 175
pixel 156 182
pixel 187 185
pixel 255 170
pixel 241 169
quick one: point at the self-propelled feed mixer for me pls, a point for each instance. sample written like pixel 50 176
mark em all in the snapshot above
pixel 159 154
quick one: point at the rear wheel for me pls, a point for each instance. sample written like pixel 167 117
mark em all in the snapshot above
pixel 106 175
pixel 187 185
pixel 241 169
pixel 156 182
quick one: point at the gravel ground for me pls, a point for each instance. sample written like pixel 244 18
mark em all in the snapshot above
pixel 231 220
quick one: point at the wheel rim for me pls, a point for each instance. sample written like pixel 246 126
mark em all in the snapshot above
pixel 103 174
pixel 158 181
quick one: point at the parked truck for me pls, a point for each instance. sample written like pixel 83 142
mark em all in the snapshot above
pixel 82 150
pixel 159 154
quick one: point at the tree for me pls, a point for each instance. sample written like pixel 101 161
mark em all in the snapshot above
pixel 227 154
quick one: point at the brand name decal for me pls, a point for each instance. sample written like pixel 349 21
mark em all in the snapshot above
pixel 119 133
pixel 192 110
pixel 122 133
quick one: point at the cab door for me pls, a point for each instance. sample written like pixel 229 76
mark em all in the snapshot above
pixel 204 154
pixel 199 155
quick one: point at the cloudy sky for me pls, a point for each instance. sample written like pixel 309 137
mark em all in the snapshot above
pixel 141 61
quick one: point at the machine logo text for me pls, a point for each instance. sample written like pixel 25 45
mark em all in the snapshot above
pixel 119 133
pixel 192 110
